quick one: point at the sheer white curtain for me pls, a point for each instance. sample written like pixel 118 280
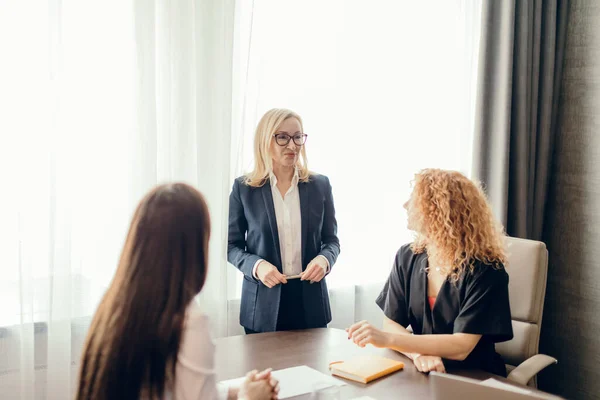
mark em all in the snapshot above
pixel 384 88
pixel 99 101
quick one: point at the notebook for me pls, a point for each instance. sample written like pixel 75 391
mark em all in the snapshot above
pixel 365 369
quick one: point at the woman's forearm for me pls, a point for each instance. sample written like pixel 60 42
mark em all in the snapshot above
pixel 395 328
pixel 453 347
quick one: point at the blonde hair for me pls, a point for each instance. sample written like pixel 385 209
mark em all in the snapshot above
pixel 453 214
pixel 263 163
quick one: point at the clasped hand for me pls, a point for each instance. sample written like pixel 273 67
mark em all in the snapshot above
pixel 270 275
pixel 257 386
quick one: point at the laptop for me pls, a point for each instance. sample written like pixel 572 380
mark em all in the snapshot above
pixel 453 387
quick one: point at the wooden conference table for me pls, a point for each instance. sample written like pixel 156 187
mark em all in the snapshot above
pixel 316 348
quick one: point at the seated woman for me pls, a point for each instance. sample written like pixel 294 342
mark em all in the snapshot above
pixel 148 339
pixel 449 285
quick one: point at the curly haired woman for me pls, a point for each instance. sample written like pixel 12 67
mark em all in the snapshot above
pixel 449 285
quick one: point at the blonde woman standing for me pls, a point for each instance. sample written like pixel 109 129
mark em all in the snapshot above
pixel 282 231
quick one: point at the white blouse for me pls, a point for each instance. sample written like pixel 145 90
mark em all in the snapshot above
pixel 195 376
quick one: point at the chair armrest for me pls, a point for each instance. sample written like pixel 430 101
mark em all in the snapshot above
pixel 530 367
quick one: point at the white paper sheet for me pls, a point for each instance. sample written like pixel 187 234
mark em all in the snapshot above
pixel 295 381
pixel 504 386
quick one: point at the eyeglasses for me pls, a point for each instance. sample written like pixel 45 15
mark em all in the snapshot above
pixel 283 139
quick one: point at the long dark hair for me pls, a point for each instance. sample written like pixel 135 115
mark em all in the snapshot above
pixel 132 344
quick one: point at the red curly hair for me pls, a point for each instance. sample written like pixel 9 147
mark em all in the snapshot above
pixel 452 214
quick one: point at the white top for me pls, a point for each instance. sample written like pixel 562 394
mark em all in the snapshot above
pixel 195 376
pixel 289 227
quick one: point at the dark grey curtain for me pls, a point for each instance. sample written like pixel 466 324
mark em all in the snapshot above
pixel 520 65
pixel 571 326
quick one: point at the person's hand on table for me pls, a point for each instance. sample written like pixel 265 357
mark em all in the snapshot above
pixel 269 274
pixel 429 363
pixel 363 333
pixel 315 270
pixel 266 375
pixel 259 386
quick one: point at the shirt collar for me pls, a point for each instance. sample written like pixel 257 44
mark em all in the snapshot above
pixel 295 178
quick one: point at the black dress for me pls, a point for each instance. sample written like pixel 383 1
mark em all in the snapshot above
pixel 477 303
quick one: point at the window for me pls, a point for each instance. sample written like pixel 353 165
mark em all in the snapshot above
pixel 66 149
pixel 384 89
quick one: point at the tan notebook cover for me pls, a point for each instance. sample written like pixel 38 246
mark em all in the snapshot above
pixel 365 369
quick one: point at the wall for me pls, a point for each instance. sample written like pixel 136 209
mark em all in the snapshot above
pixel 571 327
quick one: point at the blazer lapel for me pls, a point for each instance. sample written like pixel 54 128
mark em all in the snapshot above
pixel 268 199
pixel 304 199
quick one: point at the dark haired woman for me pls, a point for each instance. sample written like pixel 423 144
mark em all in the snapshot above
pixel 148 339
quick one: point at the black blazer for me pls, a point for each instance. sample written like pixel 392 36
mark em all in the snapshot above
pixel 253 236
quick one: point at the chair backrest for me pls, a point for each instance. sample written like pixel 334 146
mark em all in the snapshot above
pixel 527 268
